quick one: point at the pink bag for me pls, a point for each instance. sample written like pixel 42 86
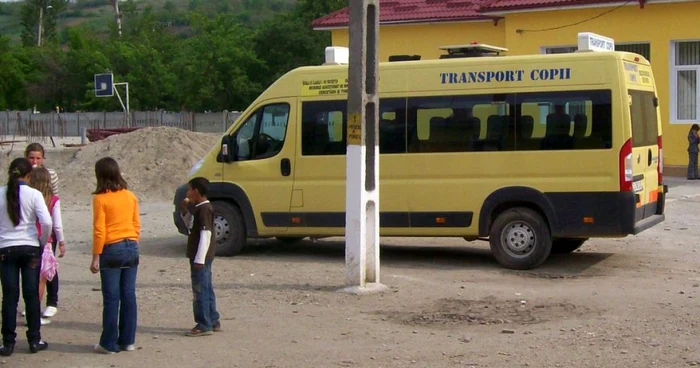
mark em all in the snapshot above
pixel 49 265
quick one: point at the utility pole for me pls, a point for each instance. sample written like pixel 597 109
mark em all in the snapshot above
pixel 362 165
pixel 41 24
pixel 118 16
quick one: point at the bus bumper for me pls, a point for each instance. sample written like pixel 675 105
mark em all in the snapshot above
pixel 661 202
pixel 648 223
pixel 180 194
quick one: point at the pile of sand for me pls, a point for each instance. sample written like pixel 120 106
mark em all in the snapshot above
pixel 154 161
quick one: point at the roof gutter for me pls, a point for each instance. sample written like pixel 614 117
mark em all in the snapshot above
pixel 530 9
pixel 412 22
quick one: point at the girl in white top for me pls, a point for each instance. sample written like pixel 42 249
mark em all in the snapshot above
pixel 20 253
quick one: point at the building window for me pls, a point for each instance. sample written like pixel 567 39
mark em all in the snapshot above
pixel 560 50
pixel 685 88
pixel 643 49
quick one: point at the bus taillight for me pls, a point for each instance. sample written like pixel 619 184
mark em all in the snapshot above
pixel 660 164
pixel 626 170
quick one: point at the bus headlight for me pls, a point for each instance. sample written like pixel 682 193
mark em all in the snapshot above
pixel 195 168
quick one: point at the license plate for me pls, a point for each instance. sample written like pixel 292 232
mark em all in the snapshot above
pixel 637 186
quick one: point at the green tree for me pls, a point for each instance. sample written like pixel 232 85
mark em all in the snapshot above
pixel 46 84
pixel 85 57
pixel 287 41
pixel 216 67
pixel 12 78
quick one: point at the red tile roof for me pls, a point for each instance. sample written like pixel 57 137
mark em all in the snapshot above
pixel 413 11
pixel 417 11
pixel 505 5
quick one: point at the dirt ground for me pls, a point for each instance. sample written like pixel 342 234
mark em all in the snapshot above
pixel 616 303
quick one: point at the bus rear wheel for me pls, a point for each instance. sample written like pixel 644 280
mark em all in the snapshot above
pixel 563 246
pixel 520 239
pixel 229 229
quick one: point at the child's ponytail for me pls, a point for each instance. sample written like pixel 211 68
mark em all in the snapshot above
pixel 19 168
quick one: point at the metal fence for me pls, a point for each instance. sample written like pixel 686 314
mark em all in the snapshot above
pixel 29 124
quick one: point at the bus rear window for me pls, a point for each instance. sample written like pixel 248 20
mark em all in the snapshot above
pixel 645 128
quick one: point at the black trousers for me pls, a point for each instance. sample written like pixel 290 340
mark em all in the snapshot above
pixel 24 261
pixel 693 165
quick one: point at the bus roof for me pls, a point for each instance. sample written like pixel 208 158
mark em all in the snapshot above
pixel 480 73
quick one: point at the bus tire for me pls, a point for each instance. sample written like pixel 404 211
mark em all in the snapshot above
pixel 289 239
pixel 520 239
pixel 229 229
pixel 565 245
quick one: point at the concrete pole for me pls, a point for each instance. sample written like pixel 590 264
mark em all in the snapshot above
pixel 362 167
pixel 224 120
pixel 41 25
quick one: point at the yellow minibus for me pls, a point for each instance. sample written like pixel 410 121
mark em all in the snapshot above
pixel 534 153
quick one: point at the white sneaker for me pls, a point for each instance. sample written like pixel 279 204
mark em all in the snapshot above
pixel 100 350
pixel 50 312
pixel 45 321
pixel 131 347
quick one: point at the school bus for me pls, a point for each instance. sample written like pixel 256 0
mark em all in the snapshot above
pixel 535 153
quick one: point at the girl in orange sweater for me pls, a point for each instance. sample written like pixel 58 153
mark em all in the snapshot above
pixel 115 255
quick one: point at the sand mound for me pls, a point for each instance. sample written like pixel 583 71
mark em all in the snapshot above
pixel 154 161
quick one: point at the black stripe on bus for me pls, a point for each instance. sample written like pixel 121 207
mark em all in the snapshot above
pixel 386 219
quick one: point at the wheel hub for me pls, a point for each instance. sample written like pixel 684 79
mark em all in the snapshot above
pixel 519 239
pixel 221 229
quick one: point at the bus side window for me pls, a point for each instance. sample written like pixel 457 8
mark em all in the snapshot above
pixel 392 125
pixel 244 138
pixel 574 119
pixel 272 132
pixel 263 134
pixel 323 128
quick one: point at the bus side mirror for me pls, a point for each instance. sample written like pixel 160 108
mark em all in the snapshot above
pixel 228 149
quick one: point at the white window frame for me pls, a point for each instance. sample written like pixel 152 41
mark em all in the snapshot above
pixel 673 108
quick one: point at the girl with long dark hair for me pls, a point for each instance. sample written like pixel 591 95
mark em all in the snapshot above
pixel 21 208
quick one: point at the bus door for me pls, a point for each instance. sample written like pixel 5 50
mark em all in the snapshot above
pixel 645 152
pixel 264 162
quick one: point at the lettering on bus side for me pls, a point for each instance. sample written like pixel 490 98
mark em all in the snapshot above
pixel 517 75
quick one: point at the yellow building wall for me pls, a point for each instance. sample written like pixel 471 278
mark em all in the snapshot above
pixel 658 24
pixel 425 39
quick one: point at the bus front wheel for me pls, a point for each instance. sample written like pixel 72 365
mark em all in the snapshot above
pixel 229 229
pixel 520 239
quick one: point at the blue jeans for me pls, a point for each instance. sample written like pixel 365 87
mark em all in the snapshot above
pixel 118 267
pixel 204 300
pixel 24 260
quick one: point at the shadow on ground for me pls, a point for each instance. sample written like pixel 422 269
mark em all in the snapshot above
pixel 416 255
